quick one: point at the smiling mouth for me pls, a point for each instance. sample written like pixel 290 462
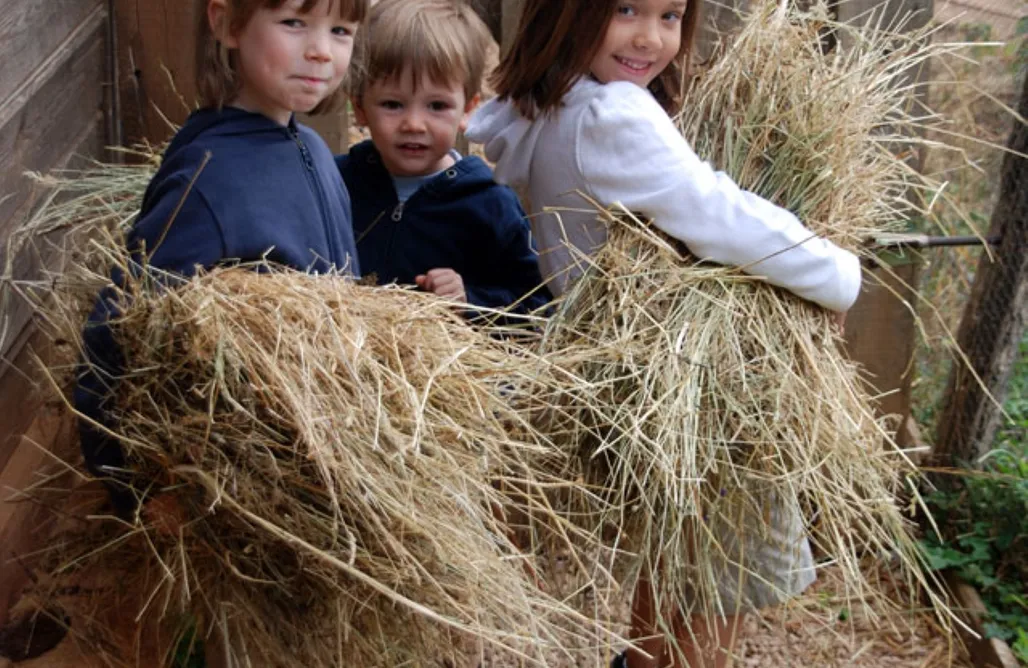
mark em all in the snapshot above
pixel 639 66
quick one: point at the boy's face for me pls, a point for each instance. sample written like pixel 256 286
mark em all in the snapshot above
pixel 414 130
pixel 288 61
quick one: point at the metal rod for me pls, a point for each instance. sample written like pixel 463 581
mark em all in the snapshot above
pixel 925 241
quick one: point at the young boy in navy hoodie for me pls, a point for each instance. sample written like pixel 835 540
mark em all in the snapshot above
pixel 240 182
pixel 422 213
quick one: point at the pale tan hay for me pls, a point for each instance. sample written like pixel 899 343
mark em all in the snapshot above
pixel 697 397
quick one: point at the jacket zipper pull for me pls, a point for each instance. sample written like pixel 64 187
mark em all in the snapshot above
pixel 304 153
pixel 398 213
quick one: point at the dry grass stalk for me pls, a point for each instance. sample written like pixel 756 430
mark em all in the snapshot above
pixel 339 452
pixel 699 399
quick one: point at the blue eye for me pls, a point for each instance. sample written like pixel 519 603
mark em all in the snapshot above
pixel 625 10
pixel 292 23
pixel 672 17
pixel 342 31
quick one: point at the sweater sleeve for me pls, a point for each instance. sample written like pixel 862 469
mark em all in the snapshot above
pixel 629 151
pixel 177 239
pixel 514 279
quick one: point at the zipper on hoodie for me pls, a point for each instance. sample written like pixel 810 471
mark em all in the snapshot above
pixel 319 194
pixel 304 152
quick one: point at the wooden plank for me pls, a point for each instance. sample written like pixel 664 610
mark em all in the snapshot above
pixel 19 395
pixel 30 31
pixel 491 12
pixel 51 431
pixel 985 652
pixel 509 22
pixel 155 41
pixel 63 118
pixel 29 264
pixel 886 11
pixel 45 127
pixel 333 128
pixel 880 332
pixel 17 373
pixel 53 66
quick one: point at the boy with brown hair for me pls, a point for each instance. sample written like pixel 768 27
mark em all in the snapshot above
pixel 423 214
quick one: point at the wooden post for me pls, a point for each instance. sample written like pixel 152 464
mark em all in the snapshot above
pixel 880 330
pixel 994 319
pixel 511 16
pixel 155 42
pixel 491 12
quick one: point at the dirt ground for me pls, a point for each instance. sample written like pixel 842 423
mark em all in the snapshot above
pixel 821 628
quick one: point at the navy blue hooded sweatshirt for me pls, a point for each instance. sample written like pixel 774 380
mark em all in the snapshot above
pixel 461 219
pixel 261 191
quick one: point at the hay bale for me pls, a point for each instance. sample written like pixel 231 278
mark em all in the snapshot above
pixel 703 404
pixel 335 451
pixel 338 455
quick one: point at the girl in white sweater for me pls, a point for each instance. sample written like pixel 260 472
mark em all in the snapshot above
pixel 584 98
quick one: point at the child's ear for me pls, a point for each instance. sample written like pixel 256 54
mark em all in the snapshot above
pixel 469 107
pixel 358 112
pixel 220 22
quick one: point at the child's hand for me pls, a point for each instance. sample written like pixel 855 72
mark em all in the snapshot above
pixel 839 318
pixel 443 282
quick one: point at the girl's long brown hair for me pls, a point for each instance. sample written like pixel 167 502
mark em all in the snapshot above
pixel 555 44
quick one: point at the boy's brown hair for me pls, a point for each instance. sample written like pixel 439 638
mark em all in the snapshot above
pixel 443 39
pixel 216 80
pixel 555 44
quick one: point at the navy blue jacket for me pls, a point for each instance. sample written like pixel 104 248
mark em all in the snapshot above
pixel 461 220
pixel 233 186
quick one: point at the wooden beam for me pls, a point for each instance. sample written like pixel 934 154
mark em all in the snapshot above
pixel 511 16
pixel 985 652
pixel 887 12
pixel 32 32
pixel 155 41
pixel 880 331
pixel 54 66
pixel 51 434
pixel 334 129
pixel 491 12
pixel 994 319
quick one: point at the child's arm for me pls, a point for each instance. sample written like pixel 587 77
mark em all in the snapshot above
pixel 513 278
pixel 629 151
pixel 191 239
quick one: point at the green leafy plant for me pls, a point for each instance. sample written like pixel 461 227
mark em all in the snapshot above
pixel 984 522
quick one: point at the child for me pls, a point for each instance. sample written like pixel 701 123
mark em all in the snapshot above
pixel 584 98
pixel 422 213
pixel 241 181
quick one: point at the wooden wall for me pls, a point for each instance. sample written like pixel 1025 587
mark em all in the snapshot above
pixel 55 100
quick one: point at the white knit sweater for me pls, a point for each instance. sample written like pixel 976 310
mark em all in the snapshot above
pixel 614 143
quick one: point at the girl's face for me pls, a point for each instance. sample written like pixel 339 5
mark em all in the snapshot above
pixel 642 39
pixel 290 61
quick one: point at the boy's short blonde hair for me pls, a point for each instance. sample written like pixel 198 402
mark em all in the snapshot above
pixel 216 81
pixel 443 39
